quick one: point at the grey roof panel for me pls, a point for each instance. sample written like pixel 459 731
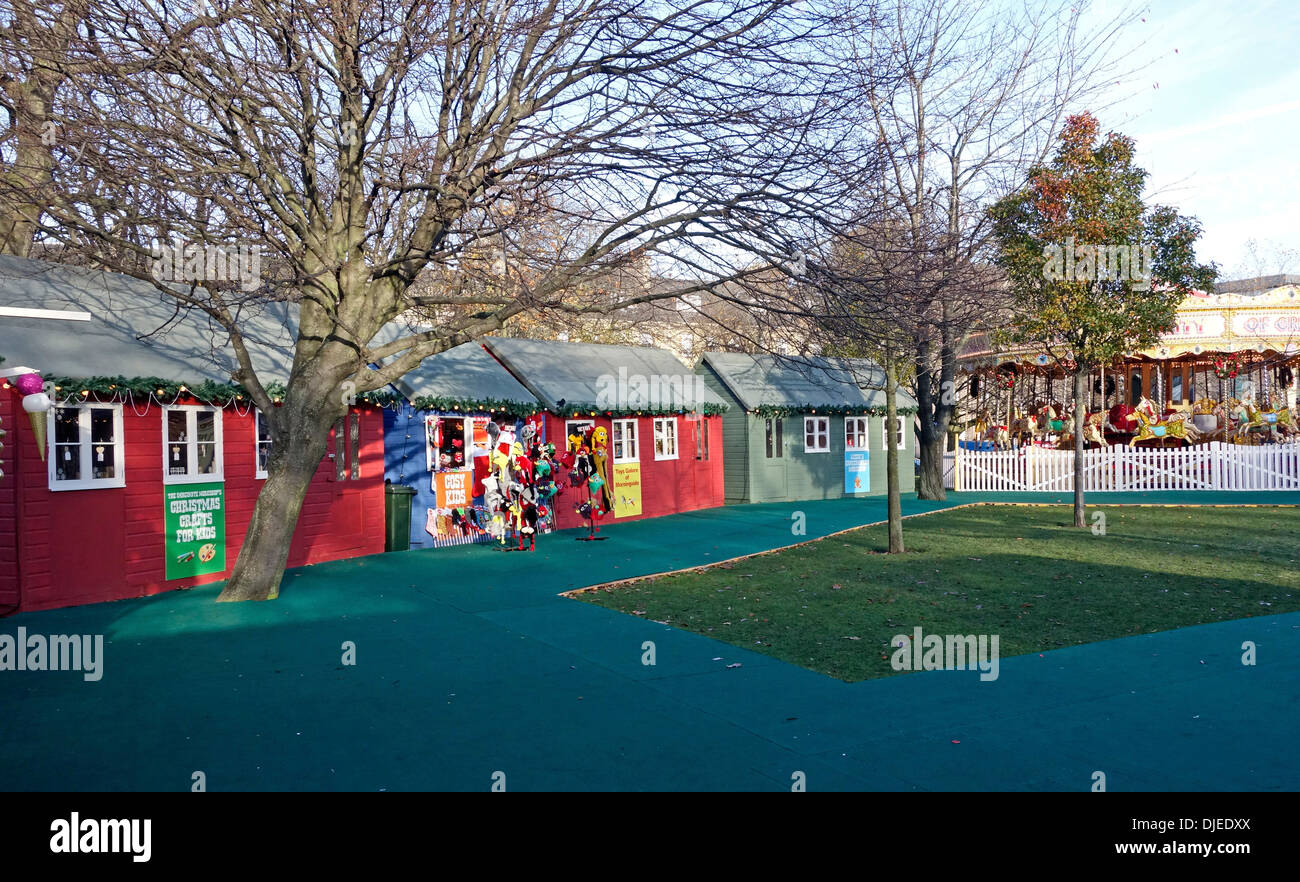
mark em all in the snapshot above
pixel 135 330
pixel 467 371
pixel 571 372
pixel 799 381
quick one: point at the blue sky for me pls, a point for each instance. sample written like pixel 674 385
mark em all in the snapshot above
pixel 1216 115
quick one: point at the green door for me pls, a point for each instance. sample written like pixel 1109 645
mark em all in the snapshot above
pixel 774 452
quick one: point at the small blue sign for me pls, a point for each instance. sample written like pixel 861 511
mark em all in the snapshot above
pixel 857 471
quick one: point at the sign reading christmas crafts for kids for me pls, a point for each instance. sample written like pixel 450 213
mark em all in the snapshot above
pixel 195 525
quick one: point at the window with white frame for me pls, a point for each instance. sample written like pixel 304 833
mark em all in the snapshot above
pixel 898 436
pixel 624 441
pixel 702 438
pixel 666 438
pixel 855 433
pixel 575 427
pixel 775 437
pixel 86 450
pixel 816 434
pixel 263 444
pixel 191 444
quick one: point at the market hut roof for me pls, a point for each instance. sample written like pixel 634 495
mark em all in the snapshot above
pixel 464 377
pixel 798 383
pixel 586 376
pixel 134 330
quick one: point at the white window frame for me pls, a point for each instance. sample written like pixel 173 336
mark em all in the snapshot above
pixel 568 430
pixel 85 447
pixel 825 433
pixel 702 439
pixel 259 473
pixel 778 437
pixel 884 433
pixel 674 437
pixel 219 455
pixel 863 434
pixel 616 446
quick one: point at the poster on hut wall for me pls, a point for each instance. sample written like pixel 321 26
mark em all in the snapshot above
pixel 627 489
pixel 194 524
pixel 857 471
pixel 452 488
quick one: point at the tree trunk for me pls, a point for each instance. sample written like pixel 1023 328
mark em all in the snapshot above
pixel 1080 415
pixel 930 483
pixel 300 434
pixel 28 177
pixel 891 458
pixel 935 416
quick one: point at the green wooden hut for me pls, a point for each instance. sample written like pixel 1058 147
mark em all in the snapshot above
pixel 805 428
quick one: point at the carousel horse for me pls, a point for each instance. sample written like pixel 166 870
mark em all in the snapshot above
pixel 1093 433
pixel 1148 408
pixel 1190 431
pixel 1242 417
pixel 1148 429
pixel 1275 424
pixel 1093 429
pixel 1024 429
pixel 986 430
pixel 1219 410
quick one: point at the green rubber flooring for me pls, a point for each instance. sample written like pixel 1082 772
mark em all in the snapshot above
pixel 468 664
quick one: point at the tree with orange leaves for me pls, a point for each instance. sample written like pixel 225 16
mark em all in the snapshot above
pixel 1094 272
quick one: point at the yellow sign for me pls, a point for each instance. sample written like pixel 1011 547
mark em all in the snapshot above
pixel 627 489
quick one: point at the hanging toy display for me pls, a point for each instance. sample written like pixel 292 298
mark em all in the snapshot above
pixel 588 470
pixel 517 479
pixel 600 462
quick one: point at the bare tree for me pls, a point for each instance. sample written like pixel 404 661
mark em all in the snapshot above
pixel 984 86
pixel 378 147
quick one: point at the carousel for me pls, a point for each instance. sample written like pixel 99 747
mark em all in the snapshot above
pixel 1225 372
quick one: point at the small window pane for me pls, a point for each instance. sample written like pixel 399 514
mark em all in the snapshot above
pixel 263 430
pixel 178 457
pixel 206 431
pixel 67 462
pixel 207 459
pixel 177 426
pixel 103 460
pixel 101 426
pixel 66 429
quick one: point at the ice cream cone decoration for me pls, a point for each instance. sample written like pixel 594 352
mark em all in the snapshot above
pixel 36 403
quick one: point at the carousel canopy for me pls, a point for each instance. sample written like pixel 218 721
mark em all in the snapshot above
pixel 1238 318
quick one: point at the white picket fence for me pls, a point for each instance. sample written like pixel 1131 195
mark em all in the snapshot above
pixel 1213 466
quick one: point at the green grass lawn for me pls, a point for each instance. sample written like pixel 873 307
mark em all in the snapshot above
pixel 1021 573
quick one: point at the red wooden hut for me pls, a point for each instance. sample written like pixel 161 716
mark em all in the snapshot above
pixel 152 462
pixel 663 425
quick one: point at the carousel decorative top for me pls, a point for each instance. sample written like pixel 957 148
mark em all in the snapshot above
pixel 1206 323
pixel 1267 322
